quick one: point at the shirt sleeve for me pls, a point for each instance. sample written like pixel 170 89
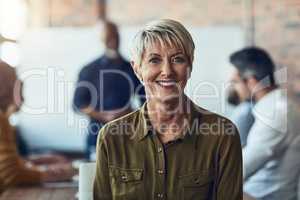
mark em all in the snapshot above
pixel 230 169
pixel 102 190
pixel 13 169
pixel 15 172
pixel 27 174
pixel 243 119
pixel 83 90
pixel 263 143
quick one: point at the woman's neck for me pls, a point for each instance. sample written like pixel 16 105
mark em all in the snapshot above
pixel 168 117
pixel 164 111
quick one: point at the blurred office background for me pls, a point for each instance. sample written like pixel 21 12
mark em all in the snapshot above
pixel 49 41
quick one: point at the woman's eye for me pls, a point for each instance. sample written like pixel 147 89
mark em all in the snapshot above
pixel 154 60
pixel 178 60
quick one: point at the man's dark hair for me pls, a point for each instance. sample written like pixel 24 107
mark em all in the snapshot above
pixel 256 62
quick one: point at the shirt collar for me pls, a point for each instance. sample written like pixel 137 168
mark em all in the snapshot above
pixel 268 101
pixel 107 60
pixel 145 128
pixel 144 125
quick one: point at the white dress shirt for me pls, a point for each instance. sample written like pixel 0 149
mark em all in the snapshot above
pixel 271 156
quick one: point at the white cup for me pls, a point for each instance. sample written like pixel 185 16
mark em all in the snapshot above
pixel 87 172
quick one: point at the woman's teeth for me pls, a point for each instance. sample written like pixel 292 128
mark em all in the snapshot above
pixel 167 83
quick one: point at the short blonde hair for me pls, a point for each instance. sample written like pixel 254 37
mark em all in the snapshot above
pixel 168 33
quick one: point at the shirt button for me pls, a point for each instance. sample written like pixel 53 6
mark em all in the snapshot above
pixel 160 171
pixel 197 180
pixel 159 150
pixel 160 196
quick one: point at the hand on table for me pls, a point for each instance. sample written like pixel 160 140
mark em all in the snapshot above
pixel 46 159
pixel 58 172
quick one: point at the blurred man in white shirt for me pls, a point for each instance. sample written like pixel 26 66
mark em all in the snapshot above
pixel 271 163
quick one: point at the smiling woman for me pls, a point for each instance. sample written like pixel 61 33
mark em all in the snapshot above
pixel 170 148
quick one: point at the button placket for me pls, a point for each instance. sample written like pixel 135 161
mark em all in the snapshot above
pixel 160 196
pixel 160 169
pixel 160 151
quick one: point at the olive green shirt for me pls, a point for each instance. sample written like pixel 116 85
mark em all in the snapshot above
pixel 205 163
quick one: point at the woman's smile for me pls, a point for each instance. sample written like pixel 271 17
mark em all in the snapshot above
pixel 167 83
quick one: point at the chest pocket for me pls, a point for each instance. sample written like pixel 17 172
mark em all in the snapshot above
pixel 126 183
pixel 196 186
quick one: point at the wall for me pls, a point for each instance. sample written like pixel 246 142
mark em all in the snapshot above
pixel 277 29
pixel 275 25
pixel 271 24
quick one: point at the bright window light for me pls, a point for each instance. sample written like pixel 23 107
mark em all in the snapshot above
pixel 10 53
pixel 13 15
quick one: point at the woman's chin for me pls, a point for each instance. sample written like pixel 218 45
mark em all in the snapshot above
pixel 166 93
pixel 169 95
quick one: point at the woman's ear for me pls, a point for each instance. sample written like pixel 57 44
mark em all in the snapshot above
pixel 137 70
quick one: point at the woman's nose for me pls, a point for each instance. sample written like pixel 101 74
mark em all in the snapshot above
pixel 167 68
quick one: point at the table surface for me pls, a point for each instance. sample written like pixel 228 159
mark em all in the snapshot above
pixel 39 193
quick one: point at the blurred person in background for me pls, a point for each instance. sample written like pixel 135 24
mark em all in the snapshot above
pixel 15 170
pixel 105 87
pixel 239 96
pixel 271 155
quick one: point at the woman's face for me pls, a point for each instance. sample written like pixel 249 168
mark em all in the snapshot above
pixel 164 71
